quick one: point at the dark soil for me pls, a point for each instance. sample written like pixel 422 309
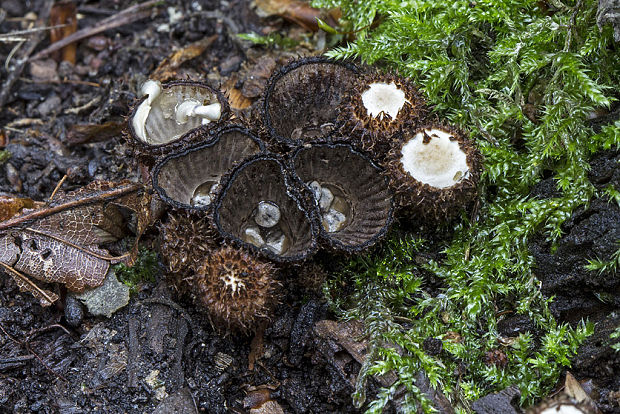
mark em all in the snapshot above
pixel 159 354
pixel 154 355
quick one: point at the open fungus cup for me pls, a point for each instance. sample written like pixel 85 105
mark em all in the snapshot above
pixel 301 100
pixel 434 171
pixel 169 111
pixel 190 179
pixel 259 209
pixel 380 106
pixel 349 192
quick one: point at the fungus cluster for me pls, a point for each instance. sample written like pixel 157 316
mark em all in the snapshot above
pixel 335 153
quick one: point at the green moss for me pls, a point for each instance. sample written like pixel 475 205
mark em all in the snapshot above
pixel 272 40
pixel 142 271
pixel 523 81
pixel 4 156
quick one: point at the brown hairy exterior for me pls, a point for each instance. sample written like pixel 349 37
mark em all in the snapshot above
pixel 186 239
pixel 424 200
pixel 563 400
pixel 237 289
pixel 375 135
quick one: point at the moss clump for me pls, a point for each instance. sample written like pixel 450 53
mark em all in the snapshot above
pixel 142 271
pixel 523 77
pixel 4 156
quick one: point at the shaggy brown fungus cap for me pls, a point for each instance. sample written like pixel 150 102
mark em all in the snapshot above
pixel 237 289
pixel 380 106
pixel 190 178
pixel 301 100
pixel 434 170
pixel 186 238
pixel 167 112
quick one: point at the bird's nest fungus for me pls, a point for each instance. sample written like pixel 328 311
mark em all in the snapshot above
pixel 337 152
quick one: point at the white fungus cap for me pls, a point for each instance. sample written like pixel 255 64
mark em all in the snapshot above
pixel 562 409
pixel 192 107
pixel 382 98
pixel 151 89
pixel 439 163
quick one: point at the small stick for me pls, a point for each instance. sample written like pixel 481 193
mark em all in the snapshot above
pixel 29 282
pixel 129 15
pixel 26 345
pixel 60 183
pixel 45 212
pixel 14 74
pixel 4 37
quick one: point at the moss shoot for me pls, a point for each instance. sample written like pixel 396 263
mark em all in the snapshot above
pixel 523 76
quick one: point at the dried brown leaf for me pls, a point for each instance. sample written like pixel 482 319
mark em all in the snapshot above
pixel 61 242
pixel 236 100
pixel 295 11
pixel 11 206
pixel 168 67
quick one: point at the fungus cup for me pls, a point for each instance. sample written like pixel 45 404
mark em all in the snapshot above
pixel 190 178
pixel 380 106
pixel 301 100
pixel 563 404
pixel 237 289
pixel 167 112
pixel 434 170
pixel 349 191
pixel 260 209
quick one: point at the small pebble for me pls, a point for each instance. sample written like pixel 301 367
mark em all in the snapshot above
pixel 326 199
pixel 277 242
pixel 74 311
pixel 333 221
pixel 341 204
pixel 202 197
pixel 50 105
pixel 267 214
pixel 316 189
pixel 252 235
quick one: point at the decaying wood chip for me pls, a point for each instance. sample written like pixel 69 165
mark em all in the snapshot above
pixel 62 242
pixel 63 14
pixel 126 16
pixel 236 100
pixel 80 134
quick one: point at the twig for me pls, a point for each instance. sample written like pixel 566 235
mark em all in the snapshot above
pixel 37 331
pixel 13 75
pixel 39 214
pixel 60 183
pixel 29 282
pixel 129 15
pixel 10 37
pixel 61 81
pixel 26 345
